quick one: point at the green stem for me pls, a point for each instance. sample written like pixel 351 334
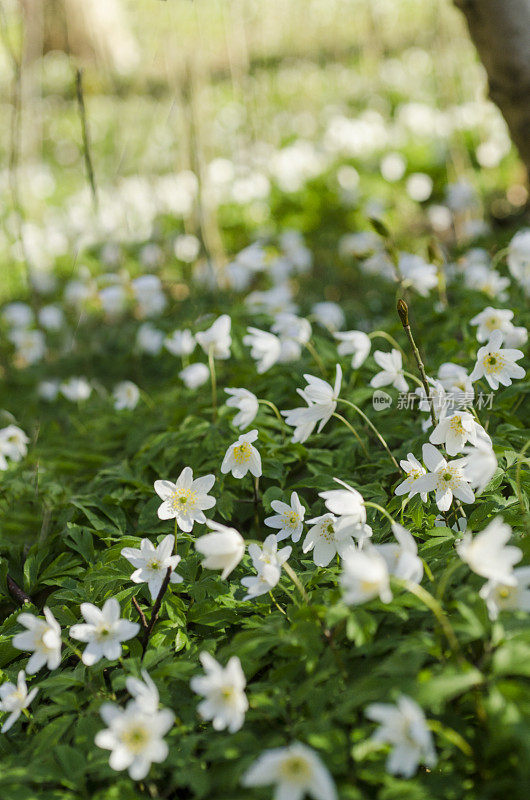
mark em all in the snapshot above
pixel 211 364
pixel 352 429
pixel 322 367
pixel 274 408
pixel 413 378
pixel 369 504
pixel 296 580
pixel 278 606
pixel 520 497
pixel 436 608
pixel 372 427
pixel 388 338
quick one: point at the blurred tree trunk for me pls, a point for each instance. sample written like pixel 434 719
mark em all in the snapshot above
pixel 91 30
pixel 500 30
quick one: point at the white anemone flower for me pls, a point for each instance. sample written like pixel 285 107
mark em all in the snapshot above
pixel 76 389
pixel 480 464
pixel 217 338
pixel 103 630
pixel 414 470
pixel 492 319
pixel 488 554
pixel 186 500
pixel 135 737
pixel 126 396
pixel 326 539
pixel 445 478
pixel 42 637
pixel 247 404
pixel 289 518
pixel 346 503
pixel 321 399
pixel 296 770
pixel 13 442
pixel 391 371
pixel 497 364
pixel 194 375
pixel 456 430
pixel 180 343
pixel 265 348
pixel 402 557
pixel 267 561
pixel 152 563
pixel 14 699
pixel 500 596
pixel 328 314
pixel 365 576
pixel 144 692
pixel 403 726
pixel 242 457
pixel 223 548
pixel 354 343
pixel 223 688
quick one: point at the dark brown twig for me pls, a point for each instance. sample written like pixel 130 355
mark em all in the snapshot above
pixel 17 593
pixel 156 609
pixel 403 311
pixel 86 135
pixel 141 614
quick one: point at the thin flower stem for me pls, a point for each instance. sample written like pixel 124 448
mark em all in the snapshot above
pixel 383 511
pixel 446 577
pixel 156 609
pixel 352 429
pixel 71 647
pixel 403 312
pixel 211 364
pixel 295 579
pixel 176 533
pixel 372 427
pixel 278 606
pixel 388 338
pixel 436 608
pixel 322 367
pixel 143 621
pixel 520 459
pixel 274 408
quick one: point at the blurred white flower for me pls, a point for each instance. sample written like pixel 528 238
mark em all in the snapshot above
pixel 18 315
pixel 126 395
pixel 488 554
pixel 134 737
pixel 223 549
pixel 492 319
pixel 519 258
pixel 354 343
pixel 113 300
pixel 421 276
pixel 30 345
pixel 288 519
pixel 103 630
pixel 329 315
pixel 265 347
pixel 480 464
pixel 217 338
pixel 186 500
pixel 296 770
pixel 223 689
pixel 76 389
pixel 180 343
pixel 13 443
pixel 248 406
pixel 403 726
pixel 13 699
pixel 500 596
pixel 42 637
pixel 194 375
pixel 391 371
pixel 51 318
pixel 242 457
pixel 48 390
pixel 144 692
pixel 402 558
pixel 149 295
pixel 149 339
pixel 364 576
pixel 152 563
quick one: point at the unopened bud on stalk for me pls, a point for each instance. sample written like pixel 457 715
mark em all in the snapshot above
pixel 403 311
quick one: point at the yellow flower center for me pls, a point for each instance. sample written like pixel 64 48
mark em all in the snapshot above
pixel 183 499
pixel 456 425
pixel 242 452
pixel 291 520
pixel 296 768
pixel 135 739
pixel 493 362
